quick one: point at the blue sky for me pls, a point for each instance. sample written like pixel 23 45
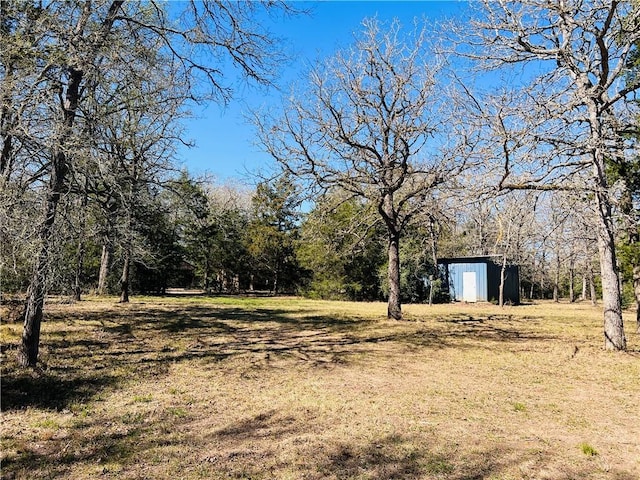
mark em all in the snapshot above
pixel 225 146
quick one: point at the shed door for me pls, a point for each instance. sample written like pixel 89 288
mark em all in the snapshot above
pixel 469 287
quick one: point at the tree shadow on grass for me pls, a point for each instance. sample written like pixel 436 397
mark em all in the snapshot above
pixel 252 447
pixel 99 447
pixel 408 457
pixel 22 389
pixel 412 457
pixel 390 457
pixel 427 456
pixel 501 327
pixel 278 331
pixel 145 340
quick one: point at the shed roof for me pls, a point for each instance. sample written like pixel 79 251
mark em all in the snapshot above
pixel 470 259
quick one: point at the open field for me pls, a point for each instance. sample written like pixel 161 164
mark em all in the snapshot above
pixel 286 388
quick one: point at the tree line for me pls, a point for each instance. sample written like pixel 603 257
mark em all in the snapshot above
pixel 400 148
pixel 229 238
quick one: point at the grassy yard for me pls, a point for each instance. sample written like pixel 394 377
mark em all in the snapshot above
pixel 286 388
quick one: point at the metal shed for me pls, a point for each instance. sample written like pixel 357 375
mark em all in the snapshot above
pixel 477 279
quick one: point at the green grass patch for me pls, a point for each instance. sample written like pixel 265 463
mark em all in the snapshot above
pixel 178 412
pixel 143 398
pixel 519 407
pixel 46 423
pixel 588 449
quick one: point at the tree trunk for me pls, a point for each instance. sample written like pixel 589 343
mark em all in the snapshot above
pixel 128 247
pixel 433 234
pixel 207 274
pixel 105 260
pixel 28 351
pixel 533 284
pixel 77 286
pixel 29 346
pixel 542 294
pixel 431 280
pixel 390 217
pixel 556 279
pixel 219 282
pixel 572 292
pixel 583 296
pixel 394 309
pixel 124 279
pixel 503 270
pixel 636 289
pixel 614 338
pixel 592 289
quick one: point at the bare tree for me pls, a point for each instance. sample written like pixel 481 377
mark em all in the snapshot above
pixel 363 124
pixel 515 221
pixel 66 46
pixel 569 122
pixel 71 77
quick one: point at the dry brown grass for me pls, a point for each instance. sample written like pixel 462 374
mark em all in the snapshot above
pixel 203 388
